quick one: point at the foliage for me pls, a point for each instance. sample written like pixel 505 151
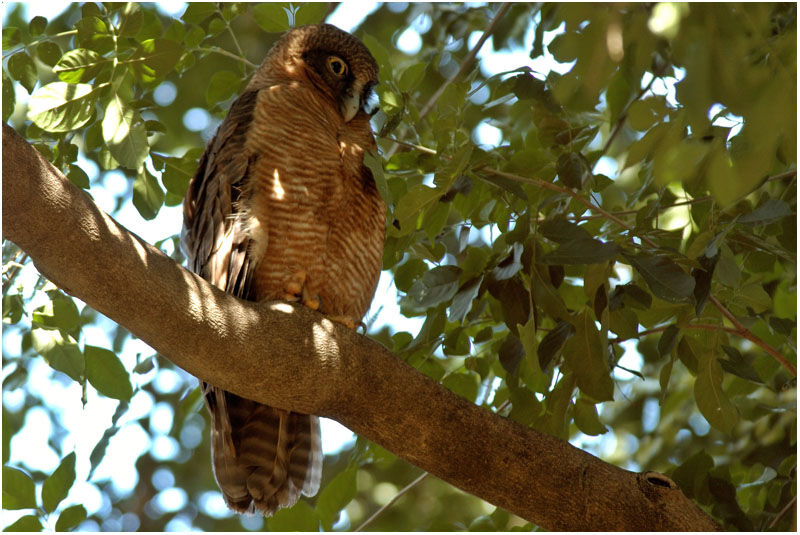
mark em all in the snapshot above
pixel 612 214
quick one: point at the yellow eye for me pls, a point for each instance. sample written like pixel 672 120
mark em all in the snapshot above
pixel 337 65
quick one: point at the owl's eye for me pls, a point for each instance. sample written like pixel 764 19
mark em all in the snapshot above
pixel 337 66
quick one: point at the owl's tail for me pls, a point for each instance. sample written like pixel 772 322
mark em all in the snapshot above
pixel 263 457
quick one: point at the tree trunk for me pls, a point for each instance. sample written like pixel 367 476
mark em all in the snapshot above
pixel 288 356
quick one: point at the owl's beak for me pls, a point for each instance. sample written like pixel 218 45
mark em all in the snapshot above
pixel 350 106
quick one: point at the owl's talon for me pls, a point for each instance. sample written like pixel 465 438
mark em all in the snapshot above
pixel 344 320
pixel 311 302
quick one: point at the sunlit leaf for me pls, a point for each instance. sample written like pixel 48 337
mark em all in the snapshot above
pixel 61 107
pixel 124 134
pixel 57 485
pixel 60 352
pixel 18 489
pixel 148 196
pixel 70 517
pixel 106 373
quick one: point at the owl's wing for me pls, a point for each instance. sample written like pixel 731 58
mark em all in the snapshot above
pixel 263 458
pixel 214 238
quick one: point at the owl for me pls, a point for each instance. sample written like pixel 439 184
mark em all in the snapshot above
pixel 282 207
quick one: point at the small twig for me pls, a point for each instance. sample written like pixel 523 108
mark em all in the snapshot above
pixel 624 115
pixel 392 501
pixel 744 332
pixel 13 269
pixel 574 195
pixel 465 63
pixel 420 148
pixel 783 511
pixel 224 52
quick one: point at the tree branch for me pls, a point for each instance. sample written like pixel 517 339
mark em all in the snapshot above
pixel 288 356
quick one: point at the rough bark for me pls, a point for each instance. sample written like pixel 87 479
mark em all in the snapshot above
pixel 290 357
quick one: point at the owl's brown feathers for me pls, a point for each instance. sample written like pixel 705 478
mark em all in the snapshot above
pixel 282 207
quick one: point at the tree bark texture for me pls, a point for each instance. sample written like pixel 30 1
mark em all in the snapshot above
pixel 287 356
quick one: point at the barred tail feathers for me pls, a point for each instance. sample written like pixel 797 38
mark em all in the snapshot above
pixel 263 457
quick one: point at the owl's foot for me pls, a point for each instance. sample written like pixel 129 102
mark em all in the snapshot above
pixel 297 291
pixel 294 287
pixel 348 322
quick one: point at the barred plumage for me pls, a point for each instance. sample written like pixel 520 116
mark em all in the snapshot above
pixel 282 207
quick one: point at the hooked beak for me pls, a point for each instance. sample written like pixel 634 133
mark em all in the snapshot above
pixel 350 106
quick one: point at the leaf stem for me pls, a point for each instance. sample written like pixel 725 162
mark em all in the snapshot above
pixel 624 115
pixel 392 501
pixel 465 63
pixel 224 52
pixel 744 332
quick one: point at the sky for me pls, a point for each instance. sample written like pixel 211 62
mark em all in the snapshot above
pixel 29 447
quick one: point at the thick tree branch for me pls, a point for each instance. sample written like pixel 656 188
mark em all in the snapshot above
pixel 291 357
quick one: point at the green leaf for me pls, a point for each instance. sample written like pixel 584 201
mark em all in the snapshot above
pixel 60 312
pixel 49 52
pixel 13 308
pixel 462 300
pixel 56 487
pixel 70 517
pixel 531 372
pixel 223 85
pixel 11 37
pixel 583 251
pixel 375 165
pixel 124 134
pixel 553 341
pixel 61 353
pixel 79 65
pixel 693 472
pixel 769 212
pixel 668 340
pixel 310 13
pixel 586 418
pixel 301 517
pixel 411 76
pixel 107 374
pixel 413 205
pixel 25 523
pixel 9 97
pixel 336 495
pixel 147 194
pixel 511 353
pixel 711 399
pixel 560 230
pixel 19 491
pixel 465 385
pixel 437 286
pixel 22 69
pixel 157 58
pixel 131 20
pixel 738 364
pixel 664 277
pixel 197 12
pixel 572 169
pixel 61 107
pixel 78 176
pixel 588 360
pixel 271 17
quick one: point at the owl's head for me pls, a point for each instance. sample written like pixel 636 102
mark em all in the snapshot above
pixel 336 62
